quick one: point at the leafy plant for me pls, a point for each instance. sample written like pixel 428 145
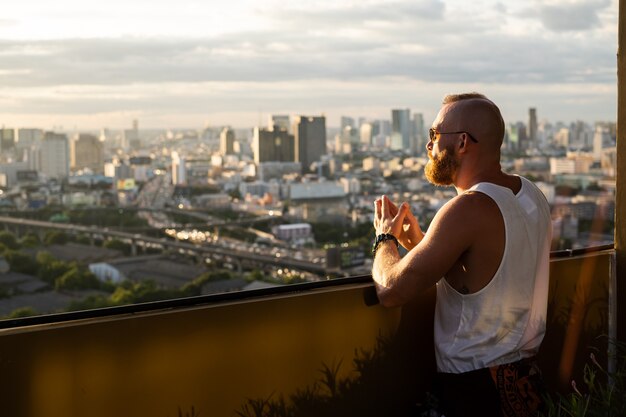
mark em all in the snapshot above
pixel 367 392
pixel 602 394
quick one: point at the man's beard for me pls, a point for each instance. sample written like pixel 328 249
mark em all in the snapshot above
pixel 441 169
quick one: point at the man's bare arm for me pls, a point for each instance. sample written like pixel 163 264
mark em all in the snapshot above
pixel 449 236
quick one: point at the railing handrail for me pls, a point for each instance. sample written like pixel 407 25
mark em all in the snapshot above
pixel 229 297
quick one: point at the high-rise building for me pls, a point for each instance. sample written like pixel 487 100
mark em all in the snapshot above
pixel 581 135
pixel 28 137
pixel 401 130
pixel 366 132
pixel 87 151
pixel 418 135
pixel 347 140
pixel 532 127
pixel 273 145
pixel 131 138
pixel 346 122
pixel 601 139
pixel 511 140
pixel 279 120
pixel 55 155
pixel 179 170
pixel 227 141
pixel 7 139
pixel 522 137
pixel 310 139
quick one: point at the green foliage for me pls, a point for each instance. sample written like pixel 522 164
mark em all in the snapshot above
pixel 108 218
pixel 194 287
pixel 50 268
pixel 362 394
pixel 255 275
pixel 142 292
pixel 5 292
pixel 21 262
pixel 238 233
pixel 30 240
pixel 77 278
pixel 22 312
pixel 330 233
pixel 603 393
pixel 117 244
pixel 9 240
pixel 55 237
pixel 83 240
pixel 91 302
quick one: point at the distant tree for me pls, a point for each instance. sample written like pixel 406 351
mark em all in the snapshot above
pixel 77 279
pixel 91 302
pixel 9 240
pixel 117 244
pixel 30 240
pixel 142 292
pixel 22 312
pixel 50 268
pixel 83 240
pixel 195 287
pixel 594 186
pixel 21 262
pixel 255 275
pixel 55 237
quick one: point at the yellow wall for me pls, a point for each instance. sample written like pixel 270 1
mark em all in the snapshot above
pixel 215 358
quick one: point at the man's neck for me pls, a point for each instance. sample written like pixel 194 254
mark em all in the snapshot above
pixel 467 181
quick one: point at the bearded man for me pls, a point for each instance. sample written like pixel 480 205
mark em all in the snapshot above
pixel 487 252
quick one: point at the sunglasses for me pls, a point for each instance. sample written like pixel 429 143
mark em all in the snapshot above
pixel 434 135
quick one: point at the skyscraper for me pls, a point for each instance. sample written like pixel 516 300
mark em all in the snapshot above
pixel 532 127
pixel 55 155
pixel 418 136
pixel 601 138
pixel 7 139
pixel 87 151
pixel 227 141
pixel 401 130
pixel 346 122
pixel 27 138
pixel 272 145
pixel 279 120
pixel 310 139
pixel 131 137
pixel 179 170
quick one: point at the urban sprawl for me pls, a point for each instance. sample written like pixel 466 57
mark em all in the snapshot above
pixel 94 219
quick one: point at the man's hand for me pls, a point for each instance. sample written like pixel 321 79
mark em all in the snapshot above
pixel 400 222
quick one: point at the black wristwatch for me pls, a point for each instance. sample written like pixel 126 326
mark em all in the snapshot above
pixel 383 237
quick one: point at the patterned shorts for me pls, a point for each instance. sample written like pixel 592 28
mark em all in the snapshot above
pixel 511 390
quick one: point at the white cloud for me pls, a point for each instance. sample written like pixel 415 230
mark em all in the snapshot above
pixel 280 56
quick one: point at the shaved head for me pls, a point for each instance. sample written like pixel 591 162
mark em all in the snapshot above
pixel 475 113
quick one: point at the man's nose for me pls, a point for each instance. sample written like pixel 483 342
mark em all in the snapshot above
pixel 429 145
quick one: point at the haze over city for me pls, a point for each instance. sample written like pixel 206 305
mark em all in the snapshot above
pixel 88 65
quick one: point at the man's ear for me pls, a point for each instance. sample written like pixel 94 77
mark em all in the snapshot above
pixel 462 144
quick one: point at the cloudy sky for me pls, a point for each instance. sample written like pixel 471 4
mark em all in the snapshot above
pixel 89 64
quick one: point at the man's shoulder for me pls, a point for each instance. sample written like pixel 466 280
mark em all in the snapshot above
pixel 468 209
pixel 470 200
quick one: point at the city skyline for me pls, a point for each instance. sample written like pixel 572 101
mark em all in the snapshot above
pixel 196 65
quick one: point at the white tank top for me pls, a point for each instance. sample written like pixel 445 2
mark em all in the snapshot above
pixel 504 321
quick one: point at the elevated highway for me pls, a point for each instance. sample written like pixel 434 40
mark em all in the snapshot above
pixel 239 257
